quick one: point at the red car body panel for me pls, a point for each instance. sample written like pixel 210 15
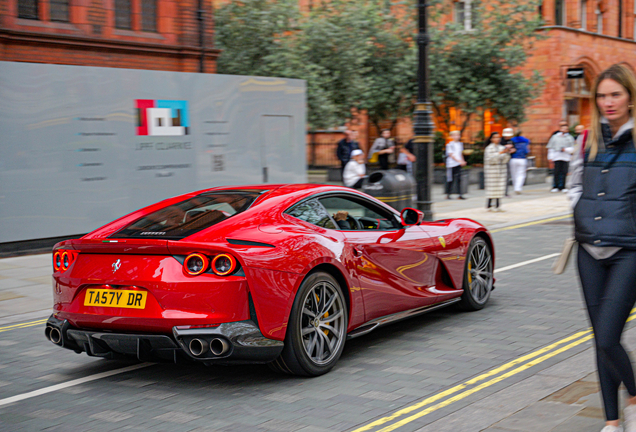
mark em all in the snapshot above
pixel 384 271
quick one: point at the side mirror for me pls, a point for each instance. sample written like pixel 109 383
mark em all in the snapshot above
pixel 411 216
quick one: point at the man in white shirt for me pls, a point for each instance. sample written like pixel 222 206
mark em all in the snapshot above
pixel 454 163
pixel 355 170
pixel 560 149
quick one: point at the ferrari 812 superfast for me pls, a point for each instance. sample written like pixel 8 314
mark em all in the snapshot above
pixel 276 274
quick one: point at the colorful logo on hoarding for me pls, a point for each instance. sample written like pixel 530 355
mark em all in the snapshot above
pixel 162 117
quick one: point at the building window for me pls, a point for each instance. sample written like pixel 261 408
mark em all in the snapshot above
pixel 559 12
pixel 463 14
pixel 123 14
pixel 28 9
pixel 59 10
pixel 620 18
pixel 149 15
pixel 584 14
pixel 599 21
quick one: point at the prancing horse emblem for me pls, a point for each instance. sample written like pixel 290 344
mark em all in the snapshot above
pixel 116 265
pixel 442 241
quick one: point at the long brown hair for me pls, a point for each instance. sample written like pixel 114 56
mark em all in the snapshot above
pixel 625 77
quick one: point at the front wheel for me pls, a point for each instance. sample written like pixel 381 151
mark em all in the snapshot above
pixel 317 328
pixel 478 275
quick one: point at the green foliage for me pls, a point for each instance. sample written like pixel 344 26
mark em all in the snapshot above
pixel 480 68
pixel 361 54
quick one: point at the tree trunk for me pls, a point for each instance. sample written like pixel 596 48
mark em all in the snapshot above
pixel 465 124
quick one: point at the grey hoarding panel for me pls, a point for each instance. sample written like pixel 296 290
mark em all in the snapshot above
pixel 74 158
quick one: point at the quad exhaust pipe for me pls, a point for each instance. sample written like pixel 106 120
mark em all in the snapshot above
pixel 198 347
pixel 54 335
pixel 217 346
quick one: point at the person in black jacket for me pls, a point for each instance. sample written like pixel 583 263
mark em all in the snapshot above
pixel 603 191
pixel 345 147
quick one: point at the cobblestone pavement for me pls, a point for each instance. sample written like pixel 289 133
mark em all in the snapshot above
pixel 383 373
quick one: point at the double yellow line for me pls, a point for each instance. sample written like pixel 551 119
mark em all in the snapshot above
pixel 23 325
pixel 481 382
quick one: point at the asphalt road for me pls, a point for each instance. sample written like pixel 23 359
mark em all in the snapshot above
pixel 401 377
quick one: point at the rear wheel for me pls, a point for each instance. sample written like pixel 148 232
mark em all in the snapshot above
pixel 317 328
pixel 478 275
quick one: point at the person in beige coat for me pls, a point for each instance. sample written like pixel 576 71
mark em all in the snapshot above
pixel 496 157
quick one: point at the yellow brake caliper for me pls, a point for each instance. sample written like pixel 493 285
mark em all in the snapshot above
pixel 326 332
pixel 470 276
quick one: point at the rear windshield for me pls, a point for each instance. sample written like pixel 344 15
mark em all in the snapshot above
pixel 183 219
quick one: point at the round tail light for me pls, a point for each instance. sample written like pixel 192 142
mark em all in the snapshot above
pixel 195 264
pixel 66 260
pixel 57 261
pixel 223 264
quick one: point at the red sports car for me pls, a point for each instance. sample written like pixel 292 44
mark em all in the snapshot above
pixel 278 274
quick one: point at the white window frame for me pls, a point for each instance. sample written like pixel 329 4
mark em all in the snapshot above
pixel 583 14
pixel 467 24
pixel 599 21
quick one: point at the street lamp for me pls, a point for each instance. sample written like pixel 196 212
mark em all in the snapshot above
pixel 422 122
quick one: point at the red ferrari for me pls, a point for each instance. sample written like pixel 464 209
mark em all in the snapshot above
pixel 277 274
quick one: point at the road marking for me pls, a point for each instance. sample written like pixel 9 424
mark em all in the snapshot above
pixel 575 339
pixel 23 325
pixel 525 263
pixel 72 383
pixel 532 223
pixel 485 385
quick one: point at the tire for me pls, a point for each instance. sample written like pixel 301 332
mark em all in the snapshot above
pixel 478 275
pixel 314 345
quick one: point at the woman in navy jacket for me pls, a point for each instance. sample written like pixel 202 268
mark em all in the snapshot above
pixel 603 192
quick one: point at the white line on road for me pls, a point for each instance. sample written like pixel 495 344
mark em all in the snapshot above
pixel 101 375
pixel 521 264
pixel 72 383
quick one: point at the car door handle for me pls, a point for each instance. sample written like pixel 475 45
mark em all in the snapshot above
pixel 356 251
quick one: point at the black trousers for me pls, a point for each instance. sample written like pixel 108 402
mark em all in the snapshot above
pixel 492 202
pixel 609 288
pixel 455 185
pixel 560 173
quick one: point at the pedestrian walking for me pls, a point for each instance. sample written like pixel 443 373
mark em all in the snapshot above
pixel 560 149
pixel 603 193
pixel 519 161
pixel 383 146
pixel 454 163
pixel 355 171
pixel 406 157
pixel 496 157
pixel 507 135
pixel 345 147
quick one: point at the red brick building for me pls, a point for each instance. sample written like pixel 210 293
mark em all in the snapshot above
pixel 584 38
pixel 170 35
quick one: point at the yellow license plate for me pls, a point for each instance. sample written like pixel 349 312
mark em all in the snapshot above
pixel 131 299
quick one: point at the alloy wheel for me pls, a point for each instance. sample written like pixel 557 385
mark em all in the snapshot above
pixel 480 274
pixel 322 324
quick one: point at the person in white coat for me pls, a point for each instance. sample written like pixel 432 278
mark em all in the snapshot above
pixel 496 157
pixel 560 149
pixel 355 171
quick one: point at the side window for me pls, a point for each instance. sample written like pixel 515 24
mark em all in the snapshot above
pixel 357 215
pixel 311 211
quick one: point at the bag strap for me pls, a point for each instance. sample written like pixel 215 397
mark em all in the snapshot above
pixel 583 143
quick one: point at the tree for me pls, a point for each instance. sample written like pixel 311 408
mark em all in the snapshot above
pixel 480 69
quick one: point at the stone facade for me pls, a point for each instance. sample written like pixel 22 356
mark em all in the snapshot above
pixel 89 37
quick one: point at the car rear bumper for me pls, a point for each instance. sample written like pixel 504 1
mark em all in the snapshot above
pixel 235 342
